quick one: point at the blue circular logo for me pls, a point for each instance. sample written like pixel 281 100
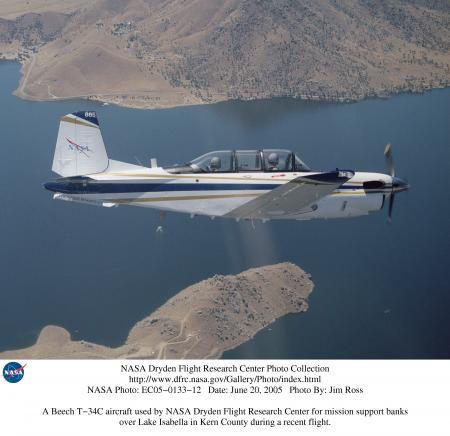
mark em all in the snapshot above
pixel 13 372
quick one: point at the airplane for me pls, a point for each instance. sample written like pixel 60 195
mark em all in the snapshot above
pixel 262 184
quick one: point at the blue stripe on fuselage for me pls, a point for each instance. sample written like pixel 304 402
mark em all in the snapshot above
pixel 119 188
pixel 93 187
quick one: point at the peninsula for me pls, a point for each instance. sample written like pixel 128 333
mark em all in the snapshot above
pixel 200 322
pixel 157 54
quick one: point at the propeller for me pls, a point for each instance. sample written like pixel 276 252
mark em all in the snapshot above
pixel 389 160
pixel 391 206
pixel 398 184
pixel 391 170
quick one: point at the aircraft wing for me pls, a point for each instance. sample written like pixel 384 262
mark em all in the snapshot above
pixel 290 198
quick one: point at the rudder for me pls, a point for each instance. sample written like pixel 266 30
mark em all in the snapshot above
pixel 79 147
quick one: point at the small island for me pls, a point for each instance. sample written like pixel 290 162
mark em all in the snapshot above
pixel 200 322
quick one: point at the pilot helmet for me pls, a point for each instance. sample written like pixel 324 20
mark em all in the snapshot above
pixel 273 159
pixel 215 163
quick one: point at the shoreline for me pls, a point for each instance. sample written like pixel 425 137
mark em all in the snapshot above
pixel 141 101
pixel 223 313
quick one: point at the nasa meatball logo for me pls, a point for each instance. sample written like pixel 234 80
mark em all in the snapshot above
pixel 13 372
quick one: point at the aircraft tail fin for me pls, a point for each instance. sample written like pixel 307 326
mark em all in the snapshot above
pixel 79 147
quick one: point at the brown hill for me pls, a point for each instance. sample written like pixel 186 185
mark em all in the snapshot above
pixel 12 9
pixel 164 53
pixel 201 321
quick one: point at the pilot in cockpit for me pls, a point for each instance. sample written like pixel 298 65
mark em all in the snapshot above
pixel 215 164
pixel 273 162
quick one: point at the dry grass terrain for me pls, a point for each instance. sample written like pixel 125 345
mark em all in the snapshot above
pixel 162 53
pixel 200 322
pixel 14 8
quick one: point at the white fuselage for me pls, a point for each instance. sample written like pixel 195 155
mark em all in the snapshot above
pixel 217 194
pixel 242 184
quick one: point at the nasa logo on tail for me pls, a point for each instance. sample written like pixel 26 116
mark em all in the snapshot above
pixel 83 149
pixel 13 372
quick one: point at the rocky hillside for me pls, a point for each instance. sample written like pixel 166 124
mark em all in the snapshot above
pixel 202 321
pixel 160 53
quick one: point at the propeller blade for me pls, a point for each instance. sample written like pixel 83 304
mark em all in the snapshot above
pixel 389 159
pixel 391 206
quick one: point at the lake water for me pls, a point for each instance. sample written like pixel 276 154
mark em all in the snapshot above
pixel 382 291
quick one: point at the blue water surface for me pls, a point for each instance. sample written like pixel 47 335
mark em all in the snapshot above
pixel 381 291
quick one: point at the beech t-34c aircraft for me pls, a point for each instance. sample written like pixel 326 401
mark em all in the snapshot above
pixel 241 184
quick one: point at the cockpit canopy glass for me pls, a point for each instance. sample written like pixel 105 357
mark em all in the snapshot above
pixel 248 160
pixel 214 162
pixel 275 160
pixel 300 165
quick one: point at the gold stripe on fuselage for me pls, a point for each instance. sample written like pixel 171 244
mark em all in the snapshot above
pixel 199 177
pixel 289 178
pixel 203 197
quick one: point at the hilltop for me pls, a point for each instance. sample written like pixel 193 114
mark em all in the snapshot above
pixel 201 321
pixel 156 53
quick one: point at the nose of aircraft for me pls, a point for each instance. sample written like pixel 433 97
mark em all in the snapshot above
pixel 399 184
